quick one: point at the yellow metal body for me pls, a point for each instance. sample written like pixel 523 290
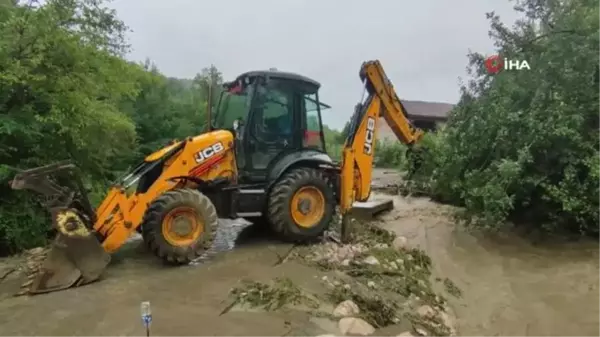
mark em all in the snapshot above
pixel 120 213
pixel 359 152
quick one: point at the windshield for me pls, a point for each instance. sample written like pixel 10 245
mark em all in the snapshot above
pixel 233 104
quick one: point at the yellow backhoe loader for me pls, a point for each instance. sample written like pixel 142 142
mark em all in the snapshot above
pixel 263 158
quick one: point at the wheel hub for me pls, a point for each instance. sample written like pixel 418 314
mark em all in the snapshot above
pixel 182 226
pixel 304 206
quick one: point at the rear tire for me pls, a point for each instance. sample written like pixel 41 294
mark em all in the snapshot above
pixel 180 226
pixel 301 205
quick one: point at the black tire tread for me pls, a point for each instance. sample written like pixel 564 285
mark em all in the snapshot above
pixel 279 204
pixel 152 226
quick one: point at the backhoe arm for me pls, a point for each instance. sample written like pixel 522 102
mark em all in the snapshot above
pixel 359 148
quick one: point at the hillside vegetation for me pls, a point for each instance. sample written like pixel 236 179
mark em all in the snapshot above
pixel 66 92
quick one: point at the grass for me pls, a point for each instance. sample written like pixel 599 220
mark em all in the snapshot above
pixel 376 309
pixel 271 296
pixel 451 288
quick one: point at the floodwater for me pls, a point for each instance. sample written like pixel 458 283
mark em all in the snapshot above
pixel 510 286
pixel 185 301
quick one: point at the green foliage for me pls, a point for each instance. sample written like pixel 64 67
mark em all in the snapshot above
pixel 270 297
pixel 523 145
pixel 390 154
pixel 67 93
pixel 333 142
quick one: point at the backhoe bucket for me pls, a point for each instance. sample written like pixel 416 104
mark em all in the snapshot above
pixel 76 256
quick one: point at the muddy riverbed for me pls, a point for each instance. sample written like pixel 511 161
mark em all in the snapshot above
pixel 509 286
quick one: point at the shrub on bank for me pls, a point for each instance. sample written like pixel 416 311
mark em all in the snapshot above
pixel 523 145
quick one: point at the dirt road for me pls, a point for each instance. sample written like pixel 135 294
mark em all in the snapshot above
pixel 509 286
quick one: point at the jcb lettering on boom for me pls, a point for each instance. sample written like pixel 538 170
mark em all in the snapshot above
pixel 370 136
pixel 209 152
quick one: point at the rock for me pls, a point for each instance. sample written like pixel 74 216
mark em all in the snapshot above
pixel 393 265
pixel 355 327
pixel 325 324
pixel 357 249
pixel 399 261
pixel 400 243
pixel 347 286
pixel 371 284
pixel 381 246
pixel 346 309
pixel 371 260
pixel 449 322
pixel 426 311
pixel 422 332
pixel 405 333
pixel 35 251
pixel 346 262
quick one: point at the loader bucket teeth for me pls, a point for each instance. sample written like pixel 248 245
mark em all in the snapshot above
pixel 75 257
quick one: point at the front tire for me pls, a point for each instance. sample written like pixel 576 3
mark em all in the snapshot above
pixel 180 225
pixel 301 205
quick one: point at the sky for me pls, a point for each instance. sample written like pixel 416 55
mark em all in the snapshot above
pixel 422 44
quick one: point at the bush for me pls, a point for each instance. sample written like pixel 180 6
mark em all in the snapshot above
pixel 23 225
pixel 523 145
pixel 389 154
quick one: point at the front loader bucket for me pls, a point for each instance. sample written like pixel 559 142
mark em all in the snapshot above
pixel 76 256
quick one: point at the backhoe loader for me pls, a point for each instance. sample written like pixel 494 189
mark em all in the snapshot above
pixel 262 159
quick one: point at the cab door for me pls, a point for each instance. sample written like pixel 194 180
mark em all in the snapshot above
pixel 273 125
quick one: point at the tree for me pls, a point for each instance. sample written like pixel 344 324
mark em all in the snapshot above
pixel 523 145
pixel 61 80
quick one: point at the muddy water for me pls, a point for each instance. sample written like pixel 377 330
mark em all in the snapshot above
pixel 510 286
pixel 185 301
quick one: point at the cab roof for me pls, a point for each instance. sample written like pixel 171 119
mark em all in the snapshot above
pixel 281 75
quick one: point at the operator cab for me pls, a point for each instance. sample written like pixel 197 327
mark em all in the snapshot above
pixel 272 114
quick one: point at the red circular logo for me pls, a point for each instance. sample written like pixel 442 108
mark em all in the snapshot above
pixel 494 64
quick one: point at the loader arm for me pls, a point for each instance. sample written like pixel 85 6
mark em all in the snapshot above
pixel 359 148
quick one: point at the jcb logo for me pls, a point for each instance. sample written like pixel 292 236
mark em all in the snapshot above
pixel 209 152
pixel 370 136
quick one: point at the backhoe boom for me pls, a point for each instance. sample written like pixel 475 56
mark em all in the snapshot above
pixel 359 148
